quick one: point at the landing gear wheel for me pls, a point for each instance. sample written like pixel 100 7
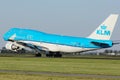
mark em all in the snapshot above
pixel 50 54
pixel 54 54
pixel 38 55
pixel 58 55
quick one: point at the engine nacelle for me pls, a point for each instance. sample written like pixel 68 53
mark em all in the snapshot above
pixel 12 46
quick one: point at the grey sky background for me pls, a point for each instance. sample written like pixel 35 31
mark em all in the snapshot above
pixel 65 17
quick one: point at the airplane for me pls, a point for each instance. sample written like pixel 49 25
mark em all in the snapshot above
pixel 53 44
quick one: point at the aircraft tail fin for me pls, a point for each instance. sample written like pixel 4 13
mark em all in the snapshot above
pixel 104 31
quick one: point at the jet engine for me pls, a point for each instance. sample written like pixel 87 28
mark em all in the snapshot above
pixel 12 46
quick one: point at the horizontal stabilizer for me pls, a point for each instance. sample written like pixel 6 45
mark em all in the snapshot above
pixel 102 45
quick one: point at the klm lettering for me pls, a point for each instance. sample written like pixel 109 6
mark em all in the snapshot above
pixel 103 32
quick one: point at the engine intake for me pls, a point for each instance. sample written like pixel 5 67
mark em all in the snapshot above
pixel 12 46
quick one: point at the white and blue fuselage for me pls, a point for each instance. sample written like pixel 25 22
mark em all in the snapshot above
pixel 54 43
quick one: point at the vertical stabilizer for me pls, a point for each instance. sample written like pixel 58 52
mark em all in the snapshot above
pixel 104 31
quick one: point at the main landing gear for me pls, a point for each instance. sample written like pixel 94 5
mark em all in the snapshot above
pixel 54 54
pixel 38 55
pixel 50 54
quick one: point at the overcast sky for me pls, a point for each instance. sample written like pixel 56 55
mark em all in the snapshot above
pixel 65 17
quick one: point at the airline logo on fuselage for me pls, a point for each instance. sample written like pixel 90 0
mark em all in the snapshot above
pixel 103 31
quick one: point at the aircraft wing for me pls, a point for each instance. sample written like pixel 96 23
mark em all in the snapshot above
pixel 31 46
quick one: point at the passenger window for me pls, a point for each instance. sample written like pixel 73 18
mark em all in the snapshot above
pixel 29 37
pixel 76 44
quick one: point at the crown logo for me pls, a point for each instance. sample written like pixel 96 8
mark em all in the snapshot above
pixel 103 27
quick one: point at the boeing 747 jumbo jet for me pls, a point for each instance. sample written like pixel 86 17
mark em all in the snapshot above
pixel 53 44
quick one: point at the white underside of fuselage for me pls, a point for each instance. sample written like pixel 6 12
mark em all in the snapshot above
pixel 58 47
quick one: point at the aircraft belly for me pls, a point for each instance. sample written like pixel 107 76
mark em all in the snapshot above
pixel 62 48
pixel 58 47
pixel 69 49
pixel 50 47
